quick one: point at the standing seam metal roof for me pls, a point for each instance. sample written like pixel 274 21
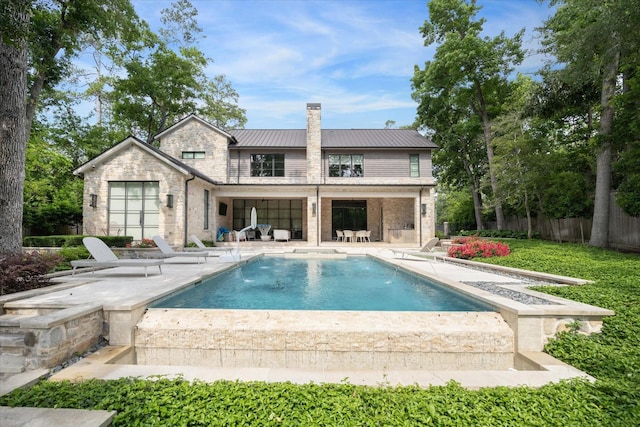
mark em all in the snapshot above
pixel 332 138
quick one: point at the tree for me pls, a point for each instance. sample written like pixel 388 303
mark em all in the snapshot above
pixel 38 41
pixel 595 40
pixel 170 83
pixel 14 21
pixel 471 64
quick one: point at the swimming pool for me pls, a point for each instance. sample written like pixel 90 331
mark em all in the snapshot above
pixel 354 283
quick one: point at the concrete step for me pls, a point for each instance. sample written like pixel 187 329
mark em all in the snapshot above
pixel 11 340
pixel 13 320
pixel 11 363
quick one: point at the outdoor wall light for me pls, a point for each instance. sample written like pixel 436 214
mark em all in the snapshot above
pixel 169 200
pixel 314 208
pixel 94 200
pixel 423 209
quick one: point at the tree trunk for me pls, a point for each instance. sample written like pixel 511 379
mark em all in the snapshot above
pixel 475 194
pixel 13 129
pixel 488 137
pixel 600 226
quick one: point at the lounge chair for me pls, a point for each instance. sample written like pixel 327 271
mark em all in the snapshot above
pixel 167 251
pixel 104 257
pixel 212 251
pixel 429 247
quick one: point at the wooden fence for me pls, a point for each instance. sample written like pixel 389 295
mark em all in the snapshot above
pixel 624 230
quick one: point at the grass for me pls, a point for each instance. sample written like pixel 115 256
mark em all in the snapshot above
pixel 612 357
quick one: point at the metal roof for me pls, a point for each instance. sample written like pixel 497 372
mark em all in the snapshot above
pixel 267 138
pixel 332 138
pixel 374 138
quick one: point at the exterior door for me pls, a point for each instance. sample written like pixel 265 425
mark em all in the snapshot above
pixel 134 209
pixel 348 215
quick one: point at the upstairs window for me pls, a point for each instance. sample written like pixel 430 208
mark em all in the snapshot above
pixel 267 165
pixel 193 154
pixel 347 165
pixel 414 166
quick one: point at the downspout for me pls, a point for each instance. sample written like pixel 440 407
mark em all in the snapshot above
pixel 186 208
pixel 420 214
pixel 318 216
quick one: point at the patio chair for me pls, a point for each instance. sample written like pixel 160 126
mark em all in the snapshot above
pixel 167 251
pixel 339 236
pixel 360 235
pixel 348 235
pixel 212 251
pixel 428 247
pixel 104 257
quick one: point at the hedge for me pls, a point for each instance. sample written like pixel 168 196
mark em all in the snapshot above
pixel 72 240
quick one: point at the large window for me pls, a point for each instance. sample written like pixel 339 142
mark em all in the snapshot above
pixel 414 165
pixel 193 154
pixel 134 209
pixel 346 165
pixel 267 165
pixel 279 213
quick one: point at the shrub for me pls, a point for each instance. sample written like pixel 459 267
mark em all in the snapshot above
pixel 71 253
pixel 144 243
pixel 472 247
pixel 24 271
pixel 499 234
pixel 72 240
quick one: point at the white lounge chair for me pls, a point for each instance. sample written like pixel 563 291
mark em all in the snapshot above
pixel 429 247
pixel 104 257
pixel 167 251
pixel 281 235
pixel 212 251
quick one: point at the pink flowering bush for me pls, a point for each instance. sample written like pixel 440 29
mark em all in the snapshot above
pixel 472 247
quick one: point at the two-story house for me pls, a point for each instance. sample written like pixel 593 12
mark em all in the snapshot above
pixel 310 181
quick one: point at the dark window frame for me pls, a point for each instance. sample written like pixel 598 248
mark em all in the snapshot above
pixel 267 165
pixel 346 165
pixel 414 165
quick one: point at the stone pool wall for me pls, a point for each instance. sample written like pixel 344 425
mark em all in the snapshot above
pixel 325 340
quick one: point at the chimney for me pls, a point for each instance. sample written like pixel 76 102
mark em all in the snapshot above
pixel 314 141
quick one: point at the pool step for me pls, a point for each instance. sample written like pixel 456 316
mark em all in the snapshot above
pixel 325 339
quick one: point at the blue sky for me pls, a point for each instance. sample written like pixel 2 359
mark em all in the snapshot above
pixel 356 57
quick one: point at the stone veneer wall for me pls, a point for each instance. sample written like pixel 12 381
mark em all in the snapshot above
pixel 133 164
pixel 314 141
pixel 194 135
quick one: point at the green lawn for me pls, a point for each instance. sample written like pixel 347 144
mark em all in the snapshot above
pixel 613 357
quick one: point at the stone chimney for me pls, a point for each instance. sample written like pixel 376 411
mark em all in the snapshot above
pixel 314 149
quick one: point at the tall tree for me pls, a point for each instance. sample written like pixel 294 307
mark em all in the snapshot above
pixel 470 63
pixel 594 39
pixel 38 40
pixel 14 21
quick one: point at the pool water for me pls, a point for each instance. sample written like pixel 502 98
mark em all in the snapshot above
pixel 353 283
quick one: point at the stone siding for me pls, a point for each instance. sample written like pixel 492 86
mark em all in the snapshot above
pixel 194 135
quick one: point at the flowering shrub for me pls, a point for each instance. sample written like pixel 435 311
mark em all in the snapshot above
pixel 472 247
pixel 144 243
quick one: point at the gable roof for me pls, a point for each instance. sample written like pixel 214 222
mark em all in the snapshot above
pixel 332 138
pixel 191 117
pixel 133 141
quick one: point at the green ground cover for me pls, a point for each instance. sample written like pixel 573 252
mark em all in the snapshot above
pixel 612 357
